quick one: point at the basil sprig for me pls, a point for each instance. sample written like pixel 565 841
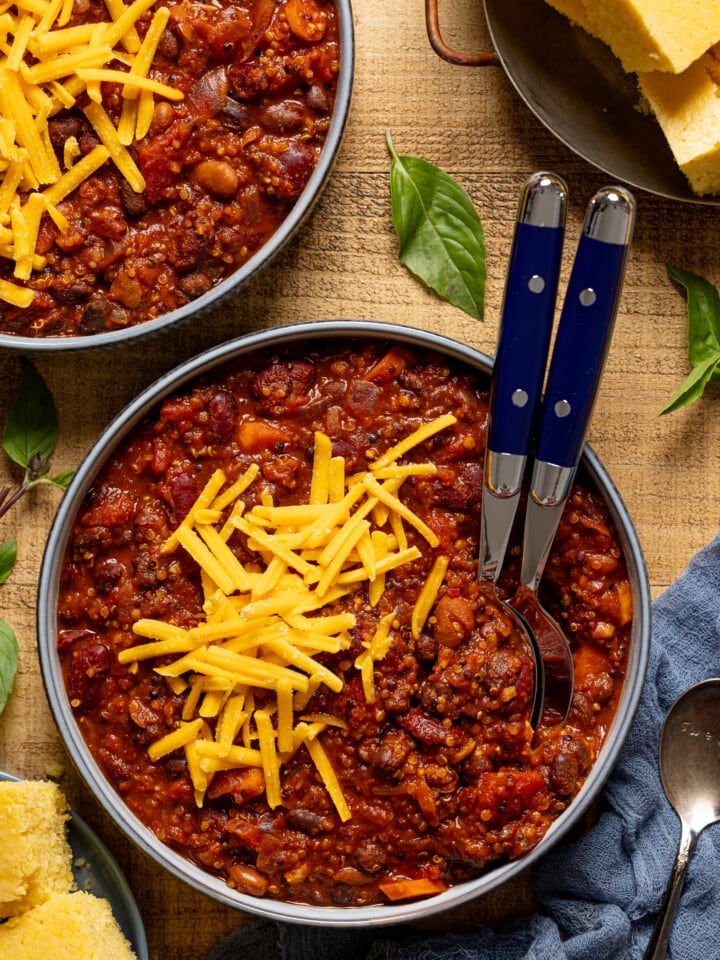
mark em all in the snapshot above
pixel 8 661
pixel 703 307
pixel 8 640
pixel 440 234
pixel 8 556
pixel 28 438
pixel 30 435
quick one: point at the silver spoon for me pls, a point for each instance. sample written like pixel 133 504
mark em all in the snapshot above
pixel 690 772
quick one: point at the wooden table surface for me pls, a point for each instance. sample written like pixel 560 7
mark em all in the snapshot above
pixel 344 264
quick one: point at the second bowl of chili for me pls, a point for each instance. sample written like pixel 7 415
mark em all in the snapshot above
pixel 313 717
pixel 175 163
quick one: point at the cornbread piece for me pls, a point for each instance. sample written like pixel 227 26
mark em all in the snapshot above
pixel 649 35
pixel 68 926
pixel 574 10
pixel 687 108
pixel 35 857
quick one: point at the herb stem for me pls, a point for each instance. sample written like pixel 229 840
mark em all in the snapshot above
pixel 6 504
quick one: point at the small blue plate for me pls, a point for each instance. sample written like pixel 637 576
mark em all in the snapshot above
pixel 96 871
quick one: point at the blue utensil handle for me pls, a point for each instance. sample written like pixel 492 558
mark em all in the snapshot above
pixel 585 328
pixel 524 339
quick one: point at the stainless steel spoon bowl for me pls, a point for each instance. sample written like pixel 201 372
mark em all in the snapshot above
pixel 690 772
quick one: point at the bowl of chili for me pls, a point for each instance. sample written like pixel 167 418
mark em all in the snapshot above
pixel 264 646
pixel 161 157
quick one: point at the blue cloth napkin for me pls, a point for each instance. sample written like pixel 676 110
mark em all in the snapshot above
pixel 597 895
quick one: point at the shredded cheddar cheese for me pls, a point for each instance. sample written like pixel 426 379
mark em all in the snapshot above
pixel 265 622
pixel 45 65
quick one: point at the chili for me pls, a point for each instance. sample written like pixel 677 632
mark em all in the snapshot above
pixel 223 166
pixel 441 773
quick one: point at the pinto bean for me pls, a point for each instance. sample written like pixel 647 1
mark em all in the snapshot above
pixel 62 128
pixel 217 177
pixel 247 880
pixel 127 289
pixel 454 620
pixel 163 116
pixel 195 284
pixel 370 856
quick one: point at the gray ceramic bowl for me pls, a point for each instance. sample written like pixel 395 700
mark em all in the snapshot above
pixel 264 256
pixel 176 864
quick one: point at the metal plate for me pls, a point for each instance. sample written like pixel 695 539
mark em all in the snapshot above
pixel 96 871
pixel 577 88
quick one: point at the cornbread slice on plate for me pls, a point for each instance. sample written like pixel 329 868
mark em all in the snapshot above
pixel 68 926
pixel 35 857
pixel 646 35
pixel 687 107
pixel 574 10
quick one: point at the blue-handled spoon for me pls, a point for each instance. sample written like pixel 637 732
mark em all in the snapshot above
pixel 517 381
pixel 581 345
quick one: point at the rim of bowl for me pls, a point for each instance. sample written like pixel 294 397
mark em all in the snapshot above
pixel 267 252
pixel 214 887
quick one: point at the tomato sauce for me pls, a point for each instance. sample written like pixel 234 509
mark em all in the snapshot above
pixel 223 166
pixel 442 774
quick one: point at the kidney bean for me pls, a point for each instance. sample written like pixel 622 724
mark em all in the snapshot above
pixel 134 204
pixel 307 821
pixel 222 413
pixel 95 315
pixel 317 98
pixel 284 116
pixel 107 573
pixel 283 387
pixel 184 491
pixel 68 638
pixel 168 46
pixel 89 666
pixel 296 164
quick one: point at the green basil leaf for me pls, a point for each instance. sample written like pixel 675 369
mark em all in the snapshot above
pixel 62 479
pixel 703 303
pixel 440 234
pixel 8 661
pixel 8 556
pixel 31 427
pixel 694 384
